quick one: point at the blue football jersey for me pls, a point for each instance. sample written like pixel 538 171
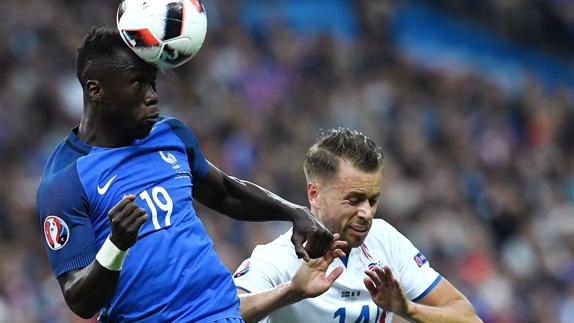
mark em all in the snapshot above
pixel 172 273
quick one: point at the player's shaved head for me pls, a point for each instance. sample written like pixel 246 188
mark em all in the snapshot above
pixel 323 158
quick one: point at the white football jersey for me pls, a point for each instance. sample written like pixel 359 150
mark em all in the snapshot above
pixel 348 300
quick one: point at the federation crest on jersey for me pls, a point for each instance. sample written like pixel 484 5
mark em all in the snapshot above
pixel 56 232
pixel 243 268
pixel 170 159
pixel 372 265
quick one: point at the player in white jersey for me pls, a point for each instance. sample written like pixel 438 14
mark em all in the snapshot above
pixel 383 273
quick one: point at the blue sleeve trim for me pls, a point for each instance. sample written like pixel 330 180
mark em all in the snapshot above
pixel 418 298
pixel 243 289
pixel 73 264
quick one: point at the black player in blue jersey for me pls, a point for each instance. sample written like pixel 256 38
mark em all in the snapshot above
pixel 115 203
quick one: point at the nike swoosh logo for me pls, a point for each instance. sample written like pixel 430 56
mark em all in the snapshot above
pixel 103 190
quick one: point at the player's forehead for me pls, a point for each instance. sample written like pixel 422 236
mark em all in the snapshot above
pixel 127 63
pixel 350 180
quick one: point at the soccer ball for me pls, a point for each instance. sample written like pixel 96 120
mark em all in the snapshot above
pixel 164 33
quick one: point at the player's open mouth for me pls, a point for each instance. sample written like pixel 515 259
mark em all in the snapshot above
pixel 360 229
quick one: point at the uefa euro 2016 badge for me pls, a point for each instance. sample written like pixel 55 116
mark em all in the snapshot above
pixel 420 259
pixel 243 268
pixel 56 232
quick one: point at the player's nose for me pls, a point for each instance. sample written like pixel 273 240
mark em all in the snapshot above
pixel 365 211
pixel 151 97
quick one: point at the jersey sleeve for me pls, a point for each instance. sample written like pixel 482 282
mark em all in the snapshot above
pixel 62 207
pixel 197 162
pixel 260 272
pixel 415 275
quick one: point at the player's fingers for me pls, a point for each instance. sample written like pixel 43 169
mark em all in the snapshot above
pixel 370 286
pixel 374 277
pixel 338 253
pixel 136 213
pixel 339 245
pixel 318 239
pixel 129 209
pixel 298 240
pixel 395 283
pixel 380 274
pixel 336 244
pixel 334 275
pixel 121 204
pixel 333 246
pixel 388 275
pixel 120 219
pixel 124 214
pixel 317 247
pixel 330 256
pixel 311 244
pixel 140 220
pixel 324 240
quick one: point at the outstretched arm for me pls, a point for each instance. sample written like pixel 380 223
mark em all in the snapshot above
pixel 89 289
pixel 243 200
pixel 444 303
pixel 309 281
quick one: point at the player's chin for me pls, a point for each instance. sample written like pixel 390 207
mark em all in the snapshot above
pixel 355 237
pixel 144 128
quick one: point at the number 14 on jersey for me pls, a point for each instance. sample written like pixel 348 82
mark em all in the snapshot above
pixel 364 316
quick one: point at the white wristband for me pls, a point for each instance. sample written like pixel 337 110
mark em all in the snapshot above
pixel 110 256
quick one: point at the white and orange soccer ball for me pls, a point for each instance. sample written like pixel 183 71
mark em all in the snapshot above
pixel 164 33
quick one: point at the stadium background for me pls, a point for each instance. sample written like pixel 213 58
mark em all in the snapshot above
pixel 471 100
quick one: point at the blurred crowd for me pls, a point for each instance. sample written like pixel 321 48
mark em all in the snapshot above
pixel 541 23
pixel 480 179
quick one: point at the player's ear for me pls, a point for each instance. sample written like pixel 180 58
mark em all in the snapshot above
pixel 94 90
pixel 313 194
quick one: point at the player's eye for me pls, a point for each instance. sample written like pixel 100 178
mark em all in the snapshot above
pixel 354 201
pixel 141 82
pixel 372 202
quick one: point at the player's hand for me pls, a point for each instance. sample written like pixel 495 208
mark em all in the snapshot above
pixel 386 291
pixel 126 218
pixel 307 228
pixel 310 280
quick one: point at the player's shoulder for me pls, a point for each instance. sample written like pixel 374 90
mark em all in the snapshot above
pixel 280 247
pixel 381 231
pixel 276 259
pixel 381 226
pixel 172 123
pixel 60 176
pixel 177 127
pixel 163 119
pixel 60 163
